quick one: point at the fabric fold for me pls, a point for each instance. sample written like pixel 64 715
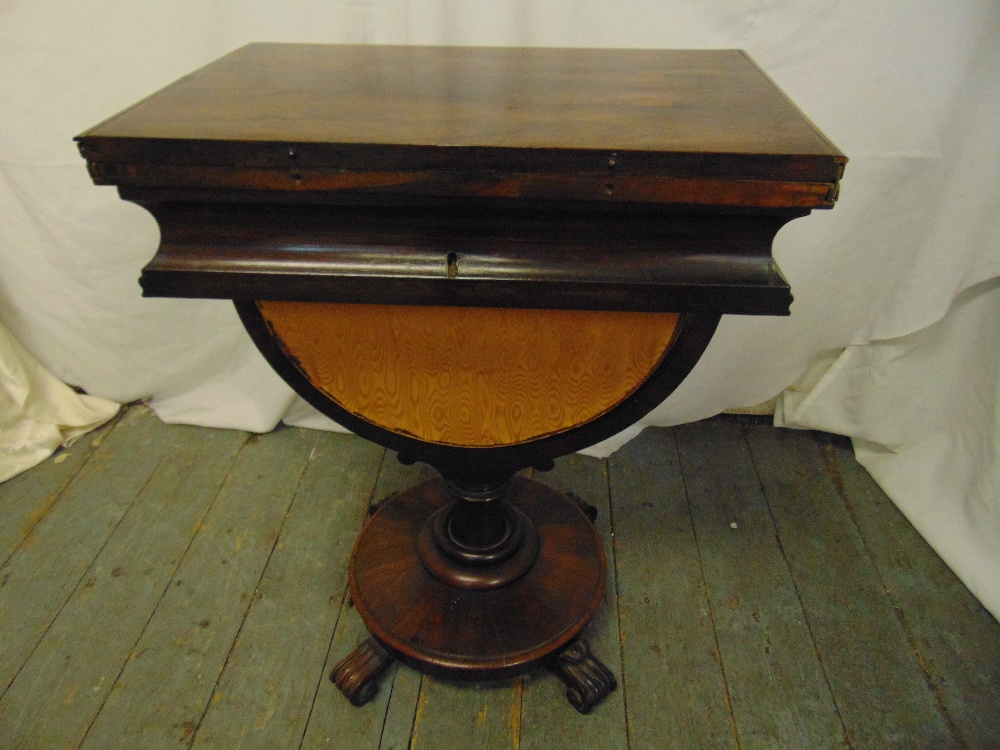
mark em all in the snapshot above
pixel 38 413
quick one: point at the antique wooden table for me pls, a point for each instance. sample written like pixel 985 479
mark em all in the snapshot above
pixel 483 259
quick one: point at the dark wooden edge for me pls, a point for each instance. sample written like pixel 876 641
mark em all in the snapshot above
pixel 597 187
pixel 736 299
pixel 144 195
pixel 452 669
pixel 588 681
pixel 535 256
pixel 480 466
pixel 840 159
pixel 114 155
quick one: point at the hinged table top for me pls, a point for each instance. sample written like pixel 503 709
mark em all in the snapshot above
pixel 634 125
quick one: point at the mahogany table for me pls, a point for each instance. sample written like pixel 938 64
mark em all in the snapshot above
pixel 482 259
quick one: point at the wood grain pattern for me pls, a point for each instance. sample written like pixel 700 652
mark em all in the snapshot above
pixel 641 261
pixel 52 561
pixel 161 695
pixel 601 186
pixel 333 721
pixel 874 676
pixel 547 720
pixel 673 676
pixel 593 124
pixel 471 377
pixel 28 501
pixel 476 635
pixel 268 685
pixel 673 685
pixel 955 639
pixel 92 639
pixel 646 100
pixel 484 716
pixel 778 692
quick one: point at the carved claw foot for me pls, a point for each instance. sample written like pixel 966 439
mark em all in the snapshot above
pixel 358 674
pixel 588 682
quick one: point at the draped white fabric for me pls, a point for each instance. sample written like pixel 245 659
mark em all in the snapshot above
pixel 891 338
pixel 38 413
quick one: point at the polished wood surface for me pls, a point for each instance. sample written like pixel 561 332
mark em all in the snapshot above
pixel 471 376
pixel 478 466
pixel 647 100
pixel 663 261
pixel 685 126
pixel 466 634
pixel 648 180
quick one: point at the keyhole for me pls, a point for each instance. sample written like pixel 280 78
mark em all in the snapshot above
pixel 452 265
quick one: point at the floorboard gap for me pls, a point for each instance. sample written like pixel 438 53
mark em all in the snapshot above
pixel 83 577
pixel 727 698
pixel 166 588
pixel 623 682
pixel 798 594
pixel 833 465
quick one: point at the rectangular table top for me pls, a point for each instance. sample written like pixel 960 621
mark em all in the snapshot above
pixel 662 126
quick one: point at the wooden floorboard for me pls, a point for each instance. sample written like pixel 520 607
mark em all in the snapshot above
pixel 52 561
pixel 159 698
pixel 169 586
pixel 268 685
pixel 778 692
pixel 27 498
pixel 545 724
pixel 875 678
pixel 672 676
pixel 78 661
pixel 333 721
pixel 954 639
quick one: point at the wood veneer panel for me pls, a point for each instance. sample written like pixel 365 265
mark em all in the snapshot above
pixel 642 100
pixel 473 377
pixel 667 126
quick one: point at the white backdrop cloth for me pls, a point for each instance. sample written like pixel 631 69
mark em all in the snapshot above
pixel 892 337
pixel 39 413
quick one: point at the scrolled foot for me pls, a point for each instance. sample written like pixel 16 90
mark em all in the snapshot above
pixel 358 674
pixel 588 681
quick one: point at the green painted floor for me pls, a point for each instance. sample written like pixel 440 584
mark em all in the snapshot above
pixel 169 586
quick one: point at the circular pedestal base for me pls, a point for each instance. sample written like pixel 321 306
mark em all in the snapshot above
pixel 460 633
